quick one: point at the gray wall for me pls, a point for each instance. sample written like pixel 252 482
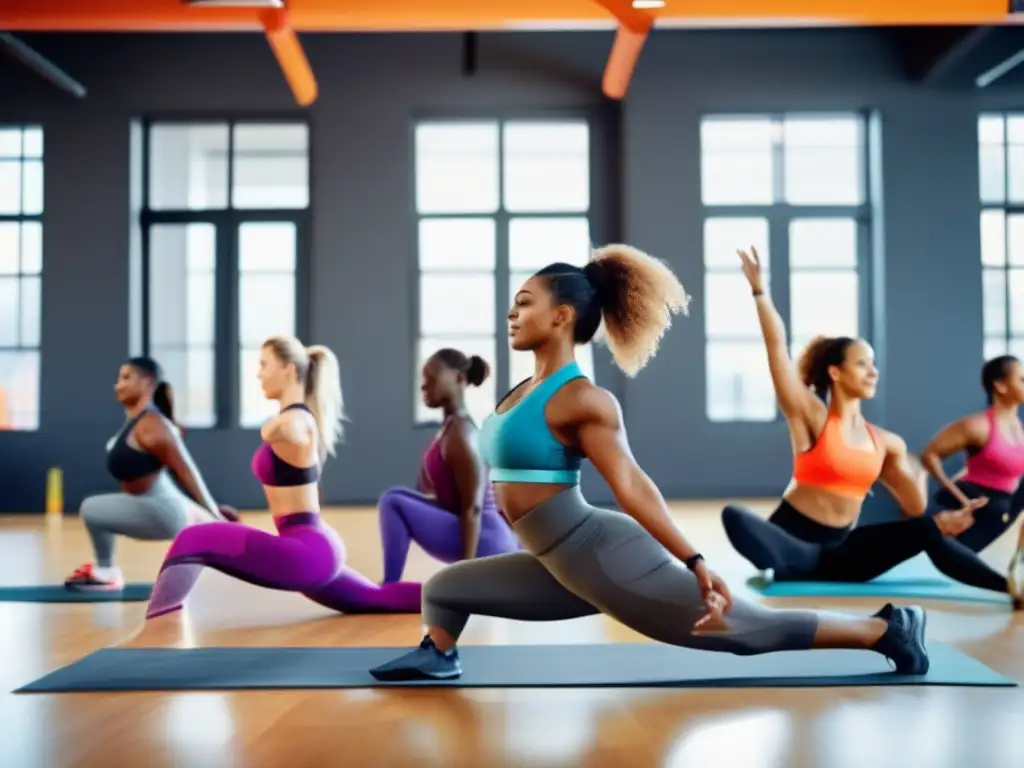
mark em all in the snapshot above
pixel 927 281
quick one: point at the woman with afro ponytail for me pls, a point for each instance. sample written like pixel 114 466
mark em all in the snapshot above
pixel 579 560
pixel 838 457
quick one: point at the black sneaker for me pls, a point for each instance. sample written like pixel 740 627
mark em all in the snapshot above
pixel 425 663
pixel 903 641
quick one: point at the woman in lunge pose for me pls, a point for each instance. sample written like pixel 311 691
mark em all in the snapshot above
pixel 306 556
pixel 452 515
pixel 993 442
pixel 838 456
pixel 581 560
pixel 142 456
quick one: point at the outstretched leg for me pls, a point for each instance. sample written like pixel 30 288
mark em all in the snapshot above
pixel 511 586
pixel 301 557
pixel 351 592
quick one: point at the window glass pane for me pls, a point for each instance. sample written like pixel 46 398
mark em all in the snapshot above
pixel 10 187
pixel 32 138
pixel 10 143
pixel 736 161
pixel 266 247
pixel 456 244
pixel 824 303
pixel 1016 347
pixel 10 247
pixel 1017 302
pixel 456 304
pixel 31 248
pixel 992 173
pixel 823 160
pixel 739 385
pixel 738 177
pixel 188 166
pixel 32 187
pixel 479 400
pixel 724 236
pixel 175 312
pixel 521 365
pixel 270 166
pixel 1015 174
pixel 31 311
pixel 190 372
pixel 19 390
pixel 994 347
pixel 991 129
pixel 729 309
pixel 266 307
pixel 1015 240
pixel 993 238
pixel 457 167
pixel 823 243
pixel 546 166
pixel 9 315
pixel 255 407
pixel 993 282
pixel 535 243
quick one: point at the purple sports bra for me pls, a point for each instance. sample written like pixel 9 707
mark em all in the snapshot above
pixel 437 474
pixel 271 470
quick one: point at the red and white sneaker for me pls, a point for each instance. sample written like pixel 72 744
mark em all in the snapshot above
pixel 91 578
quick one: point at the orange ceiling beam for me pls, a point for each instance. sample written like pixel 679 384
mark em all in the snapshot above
pixel 460 15
pixel 290 56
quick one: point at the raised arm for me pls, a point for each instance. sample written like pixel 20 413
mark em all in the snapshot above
pixel 796 400
pixel 157 437
pixel 953 438
pixel 470 477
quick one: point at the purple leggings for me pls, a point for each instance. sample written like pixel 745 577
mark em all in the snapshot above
pixel 407 516
pixel 306 557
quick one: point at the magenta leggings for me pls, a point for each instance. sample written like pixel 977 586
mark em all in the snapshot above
pixel 407 516
pixel 306 557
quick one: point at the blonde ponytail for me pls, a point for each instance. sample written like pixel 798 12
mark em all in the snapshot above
pixel 324 398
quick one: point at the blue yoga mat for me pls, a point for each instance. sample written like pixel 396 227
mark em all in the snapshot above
pixel 638 665
pixel 916 578
pixel 57 593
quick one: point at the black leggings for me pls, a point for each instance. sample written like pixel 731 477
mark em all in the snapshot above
pixel 797 548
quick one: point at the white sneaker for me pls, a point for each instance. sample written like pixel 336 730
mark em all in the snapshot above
pixel 1015 579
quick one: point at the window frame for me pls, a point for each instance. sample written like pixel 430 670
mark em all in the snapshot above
pixel 20 219
pixel 1008 209
pixel 779 215
pixel 603 216
pixel 227 398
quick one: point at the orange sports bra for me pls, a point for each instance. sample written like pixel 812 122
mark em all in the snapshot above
pixel 834 466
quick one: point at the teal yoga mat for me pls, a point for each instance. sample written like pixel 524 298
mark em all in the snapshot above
pixel 916 578
pixel 639 665
pixel 57 593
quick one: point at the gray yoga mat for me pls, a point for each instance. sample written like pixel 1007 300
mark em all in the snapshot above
pixel 58 593
pixel 499 666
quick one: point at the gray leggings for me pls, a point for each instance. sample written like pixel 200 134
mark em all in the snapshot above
pixel 582 561
pixel 159 514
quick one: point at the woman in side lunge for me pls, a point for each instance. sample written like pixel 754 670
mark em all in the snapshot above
pixel 306 555
pixel 837 457
pixel 142 457
pixel 993 443
pixel 452 514
pixel 580 560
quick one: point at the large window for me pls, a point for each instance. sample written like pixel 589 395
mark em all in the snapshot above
pixel 495 201
pixel 1001 188
pixel 224 222
pixel 794 187
pixel 21 267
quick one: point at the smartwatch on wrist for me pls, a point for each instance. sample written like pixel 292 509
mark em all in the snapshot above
pixel 691 562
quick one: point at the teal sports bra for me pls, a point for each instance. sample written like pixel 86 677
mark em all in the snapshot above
pixel 518 446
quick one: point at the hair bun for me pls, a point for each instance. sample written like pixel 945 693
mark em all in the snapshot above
pixel 597 276
pixel 478 371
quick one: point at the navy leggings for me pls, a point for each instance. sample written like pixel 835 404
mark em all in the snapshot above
pixel 797 548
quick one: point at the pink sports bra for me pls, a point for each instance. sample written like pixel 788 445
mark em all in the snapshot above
pixel 999 464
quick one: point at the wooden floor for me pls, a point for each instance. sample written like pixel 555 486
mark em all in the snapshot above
pixel 756 728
